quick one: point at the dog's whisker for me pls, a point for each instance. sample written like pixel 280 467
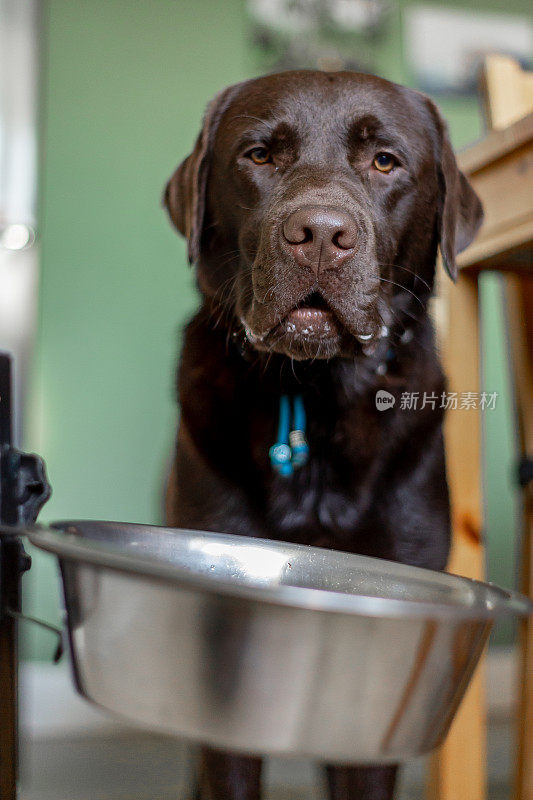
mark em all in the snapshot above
pixel 251 116
pixel 412 272
pixel 405 289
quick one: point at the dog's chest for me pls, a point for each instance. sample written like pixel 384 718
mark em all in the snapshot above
pixel 326 501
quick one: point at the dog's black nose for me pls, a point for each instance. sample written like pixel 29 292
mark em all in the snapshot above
pixel 319 236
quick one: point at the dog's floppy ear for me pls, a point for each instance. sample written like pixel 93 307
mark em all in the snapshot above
pixel 184 196
pixel 461 212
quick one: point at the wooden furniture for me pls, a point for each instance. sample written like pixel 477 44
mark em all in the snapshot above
pixel 458 770
pixel 519 299
pixel 501 170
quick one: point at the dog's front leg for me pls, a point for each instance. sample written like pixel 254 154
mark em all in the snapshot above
pixel 199 498
pixel 361 783
pixel 226 776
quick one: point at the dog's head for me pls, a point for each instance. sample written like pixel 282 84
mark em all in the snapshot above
pixel 314 203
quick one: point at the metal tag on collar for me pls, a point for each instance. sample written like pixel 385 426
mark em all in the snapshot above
pixel 297 438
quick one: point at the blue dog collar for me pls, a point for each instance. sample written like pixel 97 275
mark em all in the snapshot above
pixel 291 450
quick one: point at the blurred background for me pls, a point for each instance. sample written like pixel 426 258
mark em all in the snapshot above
pixel 99 101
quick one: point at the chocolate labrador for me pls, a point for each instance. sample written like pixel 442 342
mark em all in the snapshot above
pixel 314 205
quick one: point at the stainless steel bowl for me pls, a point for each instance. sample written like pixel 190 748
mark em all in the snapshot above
pixel 268 647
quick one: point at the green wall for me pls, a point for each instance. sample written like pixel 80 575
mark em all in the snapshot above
pixel 124 87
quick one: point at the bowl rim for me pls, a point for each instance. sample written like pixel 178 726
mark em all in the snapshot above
pixel 56 538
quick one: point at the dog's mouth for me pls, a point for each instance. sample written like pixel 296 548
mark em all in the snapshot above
pixel 312 318
pixel 312 328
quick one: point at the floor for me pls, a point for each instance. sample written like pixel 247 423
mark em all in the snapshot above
pixel 137 766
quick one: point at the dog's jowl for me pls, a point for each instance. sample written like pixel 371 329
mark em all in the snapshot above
pixel 314 206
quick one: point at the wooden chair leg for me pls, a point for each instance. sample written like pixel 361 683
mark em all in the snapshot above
pixel 458 770
pixel 524 760
pixel 519 306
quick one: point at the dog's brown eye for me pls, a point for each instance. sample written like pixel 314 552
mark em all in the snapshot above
pixel 260 155
pixel 384 162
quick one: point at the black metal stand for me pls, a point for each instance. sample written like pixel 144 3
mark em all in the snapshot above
pixel 23 491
